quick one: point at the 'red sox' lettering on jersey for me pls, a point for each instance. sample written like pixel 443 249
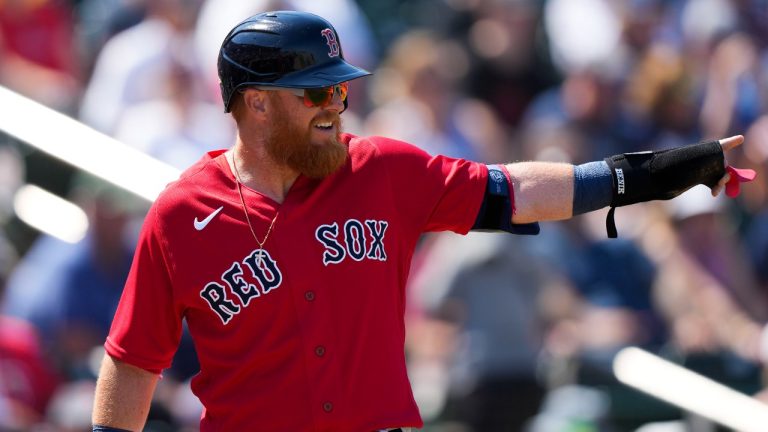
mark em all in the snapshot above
pixel 263 269
pixel 353 242
pixel 231 294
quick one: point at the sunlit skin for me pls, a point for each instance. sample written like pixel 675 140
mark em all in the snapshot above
pixel 279 139
pixel 309 145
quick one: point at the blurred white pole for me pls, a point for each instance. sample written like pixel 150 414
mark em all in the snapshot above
pixel 85 148
pixel 49 213
pixel 690 391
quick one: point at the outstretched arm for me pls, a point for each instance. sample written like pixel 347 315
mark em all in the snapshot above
pixel 545 190
pixel 123 395
pixel 542 191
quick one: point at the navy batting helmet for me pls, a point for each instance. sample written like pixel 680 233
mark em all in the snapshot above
pixel 282 49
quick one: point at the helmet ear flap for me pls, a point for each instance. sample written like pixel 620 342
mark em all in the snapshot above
pixel 226 95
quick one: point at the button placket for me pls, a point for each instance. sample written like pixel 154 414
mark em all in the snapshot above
pixel 314 309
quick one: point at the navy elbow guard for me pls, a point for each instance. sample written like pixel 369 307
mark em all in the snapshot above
pixel 496 210
pixel 662 175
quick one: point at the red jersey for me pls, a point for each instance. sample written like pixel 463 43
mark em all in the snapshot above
pixel 311 338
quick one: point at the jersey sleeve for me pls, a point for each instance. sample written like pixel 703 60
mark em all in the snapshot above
pixel 147 325
pixel 438 193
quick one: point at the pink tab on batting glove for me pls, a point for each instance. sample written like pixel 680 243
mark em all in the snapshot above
pixel 738 176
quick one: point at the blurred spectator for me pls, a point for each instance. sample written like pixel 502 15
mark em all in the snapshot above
pixel 100 20
pixel 577 47
pixel 706 235
pixel 190 126
pixel 509 63
pixel 732 100
pixel 132 66
pixel 38 53
pixel 612 307
pixel 755 200
pixel 27 380
pixel 417 100
pixel 705 288
pixel 486 315
pixel 574 122
pixel 69 292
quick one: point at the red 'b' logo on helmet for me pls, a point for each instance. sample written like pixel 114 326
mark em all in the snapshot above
pixel 333 44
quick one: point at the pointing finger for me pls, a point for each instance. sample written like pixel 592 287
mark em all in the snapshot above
pixel 731 142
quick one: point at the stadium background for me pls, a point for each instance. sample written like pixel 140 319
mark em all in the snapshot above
pixel 502 330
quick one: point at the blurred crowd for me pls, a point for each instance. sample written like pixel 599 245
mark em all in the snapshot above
pixel 505 333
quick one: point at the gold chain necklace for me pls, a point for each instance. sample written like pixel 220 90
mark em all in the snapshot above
pixel 248 219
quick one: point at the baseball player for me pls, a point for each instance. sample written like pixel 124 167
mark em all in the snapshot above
pixel 288 254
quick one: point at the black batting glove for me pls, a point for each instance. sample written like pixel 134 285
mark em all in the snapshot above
pixel 662 175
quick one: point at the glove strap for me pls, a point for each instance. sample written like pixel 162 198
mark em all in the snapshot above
pixel 610 224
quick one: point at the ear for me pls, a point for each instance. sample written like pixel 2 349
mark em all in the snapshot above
pixel 255 101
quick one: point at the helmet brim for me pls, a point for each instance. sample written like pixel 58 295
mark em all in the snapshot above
pixel 324 75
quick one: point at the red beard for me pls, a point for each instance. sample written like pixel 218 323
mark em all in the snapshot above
pixel 292 146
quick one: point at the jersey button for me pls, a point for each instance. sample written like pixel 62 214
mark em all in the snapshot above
pixel 319 350
pixel 327 407
pixel 309 295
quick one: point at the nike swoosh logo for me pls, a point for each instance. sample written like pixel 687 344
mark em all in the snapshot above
pixel 199 225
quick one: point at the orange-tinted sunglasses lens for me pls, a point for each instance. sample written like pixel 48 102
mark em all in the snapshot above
pixel 321 97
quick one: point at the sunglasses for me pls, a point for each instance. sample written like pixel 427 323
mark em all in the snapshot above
pixel 315 97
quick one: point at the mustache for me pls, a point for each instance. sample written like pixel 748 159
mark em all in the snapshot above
pixel 327 116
